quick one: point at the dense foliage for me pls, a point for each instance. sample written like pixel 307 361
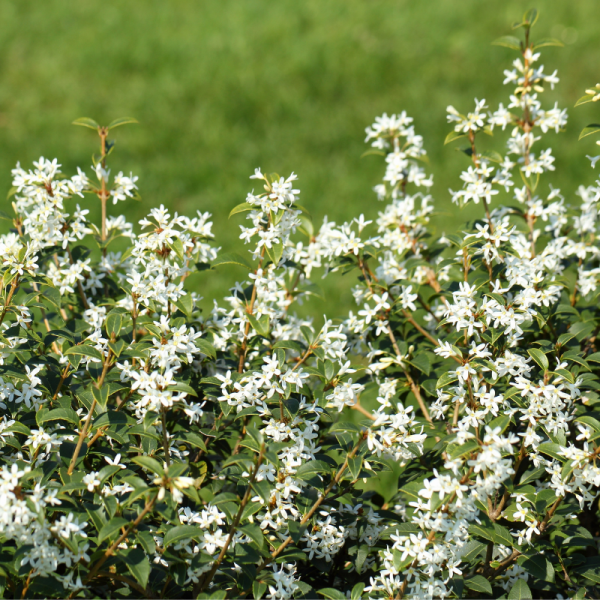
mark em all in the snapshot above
pixel 149 450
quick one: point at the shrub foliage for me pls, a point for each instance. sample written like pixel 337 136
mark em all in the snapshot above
pixel 150 450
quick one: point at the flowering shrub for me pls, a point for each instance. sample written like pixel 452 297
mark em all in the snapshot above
pixel 148 450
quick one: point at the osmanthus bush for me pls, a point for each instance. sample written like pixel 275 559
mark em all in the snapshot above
pixel 149 450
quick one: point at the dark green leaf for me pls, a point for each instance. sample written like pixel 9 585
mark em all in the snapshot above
pixel 114 320
pixel 479 584
pixel 332 594
pixel 181 532
pixel 85 350
pixel 112 528
pixel 357 590
pixel 539 357
pixel 151 464
pixel 206 348
pixel 520 591
pixel 553 450
pixel 138 564
pixel 540 567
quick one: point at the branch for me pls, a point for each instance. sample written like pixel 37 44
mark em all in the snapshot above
pixel 234 525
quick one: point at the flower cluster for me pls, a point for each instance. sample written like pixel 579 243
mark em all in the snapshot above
pixel 439 441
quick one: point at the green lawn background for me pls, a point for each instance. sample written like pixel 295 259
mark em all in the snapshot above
pixel 223 86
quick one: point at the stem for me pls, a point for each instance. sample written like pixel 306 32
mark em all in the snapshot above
pixel 86 426
pixel 250 310
pixel 27 584
pixel 121 538
pixel 318 503
pixel 82 434
pixel 102 132
pixel 364 411
pixel 63 377
pixel 234 525
pixel 11 293
pixel 163 417
pixel 45 319
pixel 476 163
pixel 130 582
pixel 312 511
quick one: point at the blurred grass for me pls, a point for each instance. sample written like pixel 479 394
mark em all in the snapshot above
pixel 221 87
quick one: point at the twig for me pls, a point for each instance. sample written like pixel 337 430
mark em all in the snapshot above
pixel 234 525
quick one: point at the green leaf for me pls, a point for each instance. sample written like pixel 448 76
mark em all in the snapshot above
pixel 296 530
pixel 256 435
pixel 86 122
pixel 101 395
pixel 113 323
pixel 576 357
pixel 421 362
pixel 112 528
pixel 179 386
pixel 306 226
pixel 502 536
pixel 454 135
pixel 446 379
pixel 585 99
pixel 530 17
pixel 357 590
pixel 151 464
pixel 117 347
pixel 110 417
pixel 520 591
pixel 479 584
pixel 243 207
pixel 206 348
pixel 553 450
pixel 258 589
pixel 593 423
pixel 539 357
pixel 308 469
pixel 332 594
pixel 18 428
pixel 186 305
pixel 564 338
pixel 232 259
pixel 502 421
pixel 255 533
pixel 62 414
pixel 261 326
pixel 85 350
pixel 181 532
pixel 540 567
pixel 138 564
pixel 275 253
pixel 491 155
pixel 456 451
pixel 290 345
pixel 589 130
pixel 508 41
pixel 472 550
pixel 122 121
pixel 590 569
pixel 547 42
